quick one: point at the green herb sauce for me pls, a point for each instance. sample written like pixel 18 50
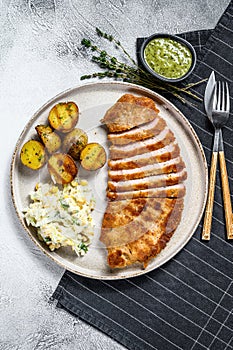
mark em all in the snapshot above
pixel 168 58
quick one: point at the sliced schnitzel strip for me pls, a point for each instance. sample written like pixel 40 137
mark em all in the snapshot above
pixel 165 137
pixel 128 112
pixel 143 236
pixel 138 100
pixel 121 213
pixel 142 132
pixel 140 251
pixel 173 165
pixel 148 182
pixel 174 191
pixel 160 155
pixel 142 213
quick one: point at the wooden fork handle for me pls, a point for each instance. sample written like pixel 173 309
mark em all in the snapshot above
pixel 210 200
pixel 226 195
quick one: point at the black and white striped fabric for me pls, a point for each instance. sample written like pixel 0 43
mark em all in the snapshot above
pixel 188 302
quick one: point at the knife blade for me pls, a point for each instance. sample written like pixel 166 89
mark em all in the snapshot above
pixel 209 93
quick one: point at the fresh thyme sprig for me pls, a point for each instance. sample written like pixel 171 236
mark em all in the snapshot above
pixel 117 43
pixel 130 73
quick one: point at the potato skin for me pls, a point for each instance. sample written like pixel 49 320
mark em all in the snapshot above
pixel 74 142
pixel 93 156
pixel 33 154
pixel 50 139
pixel 62 168
pixel 64 116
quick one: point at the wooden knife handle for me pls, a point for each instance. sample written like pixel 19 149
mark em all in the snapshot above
pixel 226 195
pixel 210 200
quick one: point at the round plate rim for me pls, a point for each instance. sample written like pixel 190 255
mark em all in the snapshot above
pixel 94 85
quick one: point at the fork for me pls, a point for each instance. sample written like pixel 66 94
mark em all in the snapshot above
pixel 220 115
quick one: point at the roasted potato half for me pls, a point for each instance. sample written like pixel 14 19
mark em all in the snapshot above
pixel 64 116
pixel 74 142
pixel 33 154
pixel 62 168
pixel 50 138
pixel 93 156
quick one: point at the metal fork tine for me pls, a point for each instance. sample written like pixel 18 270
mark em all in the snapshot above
pixel 227 98
pixel 223 96
pixel 219 96
pixel 215 97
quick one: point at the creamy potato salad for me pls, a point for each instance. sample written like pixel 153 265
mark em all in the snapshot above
pixel 62 215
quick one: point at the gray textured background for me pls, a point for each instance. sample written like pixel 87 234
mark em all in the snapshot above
pixel 40 57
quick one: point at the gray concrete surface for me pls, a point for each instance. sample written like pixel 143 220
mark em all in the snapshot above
pixel 40 57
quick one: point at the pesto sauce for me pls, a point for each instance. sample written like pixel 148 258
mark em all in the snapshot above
pixel 168 58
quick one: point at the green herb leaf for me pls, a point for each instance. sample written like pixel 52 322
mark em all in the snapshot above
pixel 64 205
pixel 83 247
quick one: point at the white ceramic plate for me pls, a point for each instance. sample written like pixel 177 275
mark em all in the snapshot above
pixel 93 100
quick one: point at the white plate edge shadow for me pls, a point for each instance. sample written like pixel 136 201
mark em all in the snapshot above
pixel 123 88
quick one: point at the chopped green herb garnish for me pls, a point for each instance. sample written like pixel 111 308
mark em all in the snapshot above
pixel 64 205
pixel 84 247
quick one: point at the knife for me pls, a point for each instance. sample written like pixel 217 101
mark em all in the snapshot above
pixel 208 103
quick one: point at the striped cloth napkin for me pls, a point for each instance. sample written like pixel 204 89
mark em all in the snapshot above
pixel 188 302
